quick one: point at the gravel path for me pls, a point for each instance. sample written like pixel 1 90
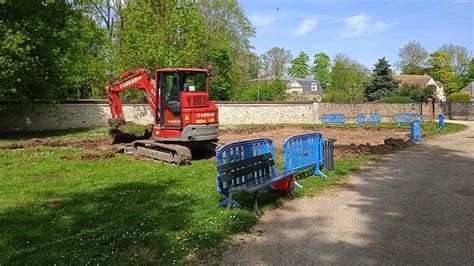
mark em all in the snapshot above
pixel 413 207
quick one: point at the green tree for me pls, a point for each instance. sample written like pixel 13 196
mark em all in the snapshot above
pixel 412 59
pixel 274 61
pixel 414 92
pixel 220 84
pixel 460 57
pixel 229 28
pixel 49 50
pixel 272 90
pixel 347 80
pixel 470 72
pixel 160 34
pixel 322 69
pixel 299 66
pixel 441 70
pixel 382 83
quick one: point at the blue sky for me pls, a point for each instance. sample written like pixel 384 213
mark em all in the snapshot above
pixel 363 29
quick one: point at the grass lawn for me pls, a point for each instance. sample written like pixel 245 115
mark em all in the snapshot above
pixel 120 210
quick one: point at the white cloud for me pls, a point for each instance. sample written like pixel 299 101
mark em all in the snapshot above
pixel 306 26
pixel 362 25
pixel 262 20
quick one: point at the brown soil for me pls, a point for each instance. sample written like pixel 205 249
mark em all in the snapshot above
pixel 85 143
pixel 90 156
pixel 351 141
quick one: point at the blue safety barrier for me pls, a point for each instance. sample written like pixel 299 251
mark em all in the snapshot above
pixel 334 119
pixel 406 118
pixel 237 151
pixel 441 121
pixel 368 118
pixel 303 152
pixel 415 131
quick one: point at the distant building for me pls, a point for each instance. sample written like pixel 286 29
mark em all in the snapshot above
pixel 298 85
pixel 423 81
pixel 469 89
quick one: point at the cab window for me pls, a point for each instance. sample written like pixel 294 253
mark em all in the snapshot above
pixel 193 81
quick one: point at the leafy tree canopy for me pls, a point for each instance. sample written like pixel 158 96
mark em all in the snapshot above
pixel 347 80
pixel 322 69
pixel 299 66
pixel 440 69
pixel 49 50
pixel 274 61
pixel 412 58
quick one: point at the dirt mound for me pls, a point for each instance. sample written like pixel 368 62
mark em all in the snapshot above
pixel 395 142
pixel 352 150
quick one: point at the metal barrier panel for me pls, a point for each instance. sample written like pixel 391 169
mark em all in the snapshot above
pixel 368 118
pixel 406 118
pixel 302 152
pixel 441 121
pixel 237 151
pixel 415 131
pixel 334 119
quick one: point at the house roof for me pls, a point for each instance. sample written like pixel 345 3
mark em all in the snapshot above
pixel 469 89
pixel 286 79
pixel 417 80
pixel 305 83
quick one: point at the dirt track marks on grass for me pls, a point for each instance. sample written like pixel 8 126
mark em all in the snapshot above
pixel 85 143
pixel 413 207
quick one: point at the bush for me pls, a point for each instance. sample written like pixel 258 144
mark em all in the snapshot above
pixel 459 97
pixel 272 90
pixel 415 93
pixel 397 99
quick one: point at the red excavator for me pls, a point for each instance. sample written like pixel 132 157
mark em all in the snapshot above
pixel 184 118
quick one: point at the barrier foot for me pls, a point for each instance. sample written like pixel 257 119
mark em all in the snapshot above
pixel 225 202
pixel 318 172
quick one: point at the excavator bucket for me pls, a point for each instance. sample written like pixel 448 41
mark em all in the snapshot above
pixel 121 132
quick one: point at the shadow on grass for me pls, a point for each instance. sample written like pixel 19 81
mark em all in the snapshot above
pixel 127 223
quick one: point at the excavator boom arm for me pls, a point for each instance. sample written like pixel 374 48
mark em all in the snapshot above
pixel 136 78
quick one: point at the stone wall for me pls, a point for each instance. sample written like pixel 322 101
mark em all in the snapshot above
pixel 14 117
pixel 88 114
pixel 267 113
pixel 386 110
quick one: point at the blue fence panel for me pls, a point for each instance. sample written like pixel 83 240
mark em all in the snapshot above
pixel 237 151
pixel 368 118
pixel 415 132
pixel 441 121
pixel 302 152
pixel 334 119
pixel 406 118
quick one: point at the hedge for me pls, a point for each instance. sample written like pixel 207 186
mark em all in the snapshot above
pixel 459 97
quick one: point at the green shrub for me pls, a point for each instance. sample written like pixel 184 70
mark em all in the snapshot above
pixel 414 92
pixel 397 99
pixel 459 97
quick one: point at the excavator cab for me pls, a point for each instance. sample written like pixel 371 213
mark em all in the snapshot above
pixel 183 102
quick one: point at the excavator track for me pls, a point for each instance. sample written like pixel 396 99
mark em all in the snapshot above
pixel 170 153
